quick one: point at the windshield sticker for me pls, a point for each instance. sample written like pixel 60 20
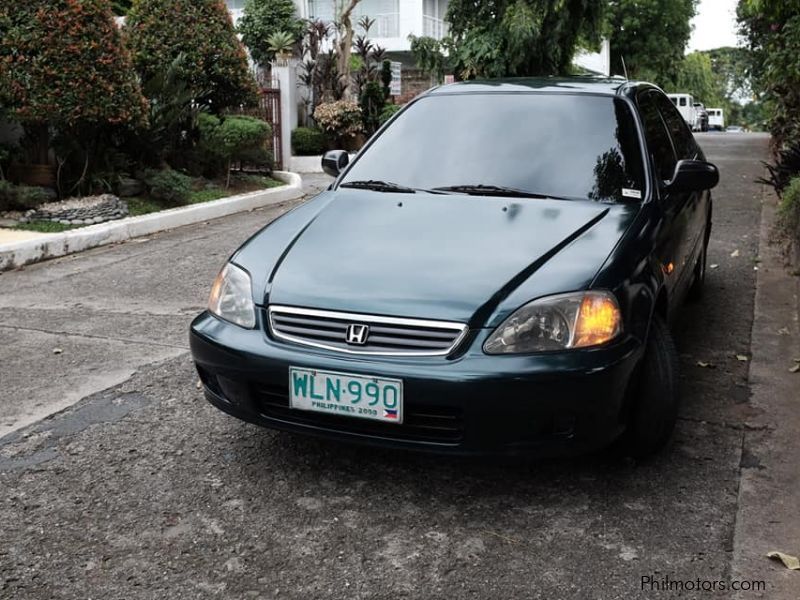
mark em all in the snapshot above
pixel 629 193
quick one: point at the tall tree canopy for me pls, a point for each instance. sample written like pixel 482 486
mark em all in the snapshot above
pixel 732 64
pixel 201 32
pixel 62 63
pixel 696 76
pixel 263 18
pixel 651 36
pixel 498 38
pixel 772 31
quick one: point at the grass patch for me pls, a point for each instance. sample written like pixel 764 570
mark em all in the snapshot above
pixel 45 226
pixel 207 195
pixel 140 205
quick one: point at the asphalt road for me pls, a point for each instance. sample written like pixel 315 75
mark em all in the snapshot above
pixel 142 490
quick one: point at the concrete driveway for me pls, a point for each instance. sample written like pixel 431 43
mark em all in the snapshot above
pixel 140 489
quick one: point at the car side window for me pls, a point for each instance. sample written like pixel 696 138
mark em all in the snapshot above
pixel 659 145
pixel 685 146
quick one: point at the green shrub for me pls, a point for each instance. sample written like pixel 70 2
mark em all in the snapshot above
pixel 372 102
pixel 340 119
pixel 388 112
pixel 64 64
pixel 236 138
pixel 20 197
pixel 214 60
pixel 789 208
pixel 308 141
pixel 8 195
pixel 168 186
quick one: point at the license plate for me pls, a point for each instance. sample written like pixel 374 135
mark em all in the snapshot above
pixel 346 394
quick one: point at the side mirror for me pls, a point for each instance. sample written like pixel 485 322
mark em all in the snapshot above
pixel 693 176
pixel 334 162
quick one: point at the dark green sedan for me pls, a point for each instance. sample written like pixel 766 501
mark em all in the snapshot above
pixel 494 272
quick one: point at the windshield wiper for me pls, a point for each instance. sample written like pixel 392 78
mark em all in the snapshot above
pixel 494 190
pixel 379 186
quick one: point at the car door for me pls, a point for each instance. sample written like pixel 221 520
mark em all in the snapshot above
pixel 670 242
pixel 694 206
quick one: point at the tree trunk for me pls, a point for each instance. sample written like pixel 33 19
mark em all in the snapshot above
pixel 38 143
pixel 345 45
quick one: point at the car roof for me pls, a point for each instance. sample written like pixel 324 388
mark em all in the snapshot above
pixel 587 84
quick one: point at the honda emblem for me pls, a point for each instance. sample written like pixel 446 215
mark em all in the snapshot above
pixel 357 335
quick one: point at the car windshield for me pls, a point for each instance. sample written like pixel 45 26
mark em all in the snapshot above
pixel 545 145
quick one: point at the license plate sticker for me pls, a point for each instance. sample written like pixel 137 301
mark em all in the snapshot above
pixel 346 394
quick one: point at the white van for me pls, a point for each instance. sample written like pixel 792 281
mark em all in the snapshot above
pixel 716 119
pixel 685 105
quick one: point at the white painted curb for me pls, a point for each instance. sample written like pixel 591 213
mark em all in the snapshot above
pixel 16 254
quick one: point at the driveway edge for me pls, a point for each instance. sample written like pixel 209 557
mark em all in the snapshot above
pixel 17 254
pixel 769 489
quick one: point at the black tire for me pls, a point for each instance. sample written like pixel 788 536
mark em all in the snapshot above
pixel 698 283
pixel 655 400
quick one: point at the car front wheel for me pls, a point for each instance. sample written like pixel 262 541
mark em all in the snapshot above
pixel 655 395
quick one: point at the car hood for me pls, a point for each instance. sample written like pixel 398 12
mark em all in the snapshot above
pixel 450 257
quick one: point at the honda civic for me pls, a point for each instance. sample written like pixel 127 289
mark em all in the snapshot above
pixel 493 273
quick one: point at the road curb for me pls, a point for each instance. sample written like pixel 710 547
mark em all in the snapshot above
pixel 766 517
pixel 17 254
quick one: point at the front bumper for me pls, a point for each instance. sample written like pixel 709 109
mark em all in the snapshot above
pixel 473 403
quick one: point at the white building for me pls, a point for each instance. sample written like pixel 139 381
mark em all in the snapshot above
pixel 395 20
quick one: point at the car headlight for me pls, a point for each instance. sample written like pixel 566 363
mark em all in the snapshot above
pixel 578 320
pixel 232 297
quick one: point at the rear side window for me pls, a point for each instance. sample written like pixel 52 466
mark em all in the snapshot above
pixel 659 146
pixel 685 145
pixel 683 101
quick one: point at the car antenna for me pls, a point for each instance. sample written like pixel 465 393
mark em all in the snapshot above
pixel 624 68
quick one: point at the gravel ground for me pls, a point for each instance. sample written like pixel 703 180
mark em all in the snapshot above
pixel 143 490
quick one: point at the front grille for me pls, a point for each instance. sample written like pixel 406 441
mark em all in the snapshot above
pixel 386 335
pixel 431 424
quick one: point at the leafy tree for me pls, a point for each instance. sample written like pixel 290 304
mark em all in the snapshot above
pixel 772 31
pixel 214 60
pixel 697 77
pixel 732 65
pixel 431 56
pixel 264 18
pixel 651 36
pixel 497 38
pixel 62 65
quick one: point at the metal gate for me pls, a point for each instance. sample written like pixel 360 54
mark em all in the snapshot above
pixel 269 107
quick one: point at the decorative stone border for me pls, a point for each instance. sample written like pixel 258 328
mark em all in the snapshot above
pixel 80 211
pixel 52 245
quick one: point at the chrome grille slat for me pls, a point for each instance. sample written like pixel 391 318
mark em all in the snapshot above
pixel 315 333
pixel 389 336
pixel 379 340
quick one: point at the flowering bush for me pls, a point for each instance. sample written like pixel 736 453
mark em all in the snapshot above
pixel 339 119
pixel 62 63
pixel 214 61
